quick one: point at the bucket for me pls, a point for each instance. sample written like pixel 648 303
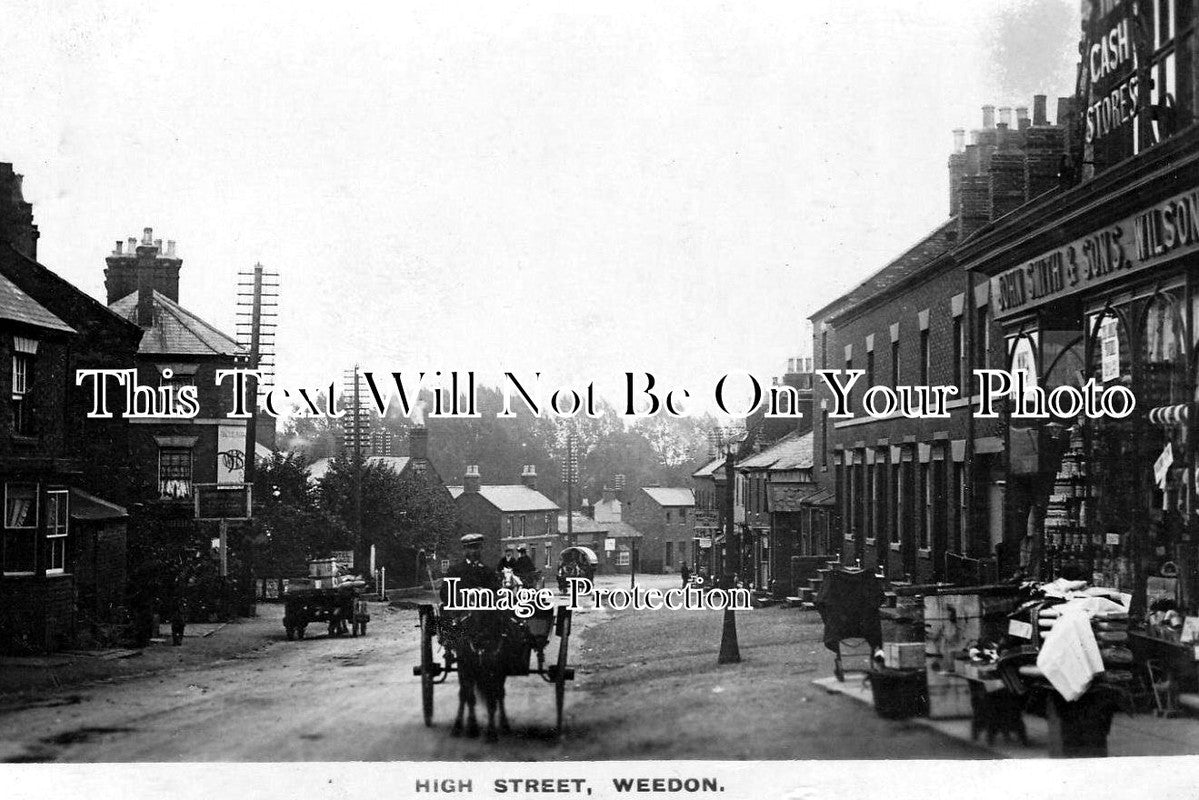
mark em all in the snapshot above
pixel 899 693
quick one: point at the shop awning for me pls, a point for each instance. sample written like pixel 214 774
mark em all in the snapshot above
pixel 86 506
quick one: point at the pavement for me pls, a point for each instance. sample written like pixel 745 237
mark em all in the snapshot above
pixel 1131 735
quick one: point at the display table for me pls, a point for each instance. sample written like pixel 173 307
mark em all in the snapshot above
pixel 994 708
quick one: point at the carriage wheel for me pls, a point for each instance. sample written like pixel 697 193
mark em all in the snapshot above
pixel 560 671
pixel 426 663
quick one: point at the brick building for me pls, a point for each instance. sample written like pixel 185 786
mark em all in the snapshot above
pixel 63 548
pixel 509 515
pixel 924 499
pixel 664 516
pixel 772 485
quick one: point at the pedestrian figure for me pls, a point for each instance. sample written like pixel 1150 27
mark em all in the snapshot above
pixel 685 571
pixel 507 562
pixel 524 567
pixel 178 618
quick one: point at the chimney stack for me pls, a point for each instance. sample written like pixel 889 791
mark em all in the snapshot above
pixel 1022 120
pixel 470 481
pixel 170 248
pixel 145 299
pixel 127 266
pixel 959 140
pixel 988 117
pixel 1039 114
pixel 528 476
pixel 418 443
pixel 609 495
pixel 117 250
pixel 148 237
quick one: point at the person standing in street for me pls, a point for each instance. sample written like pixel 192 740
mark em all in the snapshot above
pixel 685 572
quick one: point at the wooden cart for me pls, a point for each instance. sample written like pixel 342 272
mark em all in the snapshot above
pixel 437 658
pixel 343 610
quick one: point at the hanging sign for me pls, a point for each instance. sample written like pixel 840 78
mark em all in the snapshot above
pixel 1161 467
pixel 231 453
pixel 1109 344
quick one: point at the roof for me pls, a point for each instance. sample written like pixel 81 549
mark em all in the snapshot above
pixel 709 470
pixel 510 497
pixel 622 530
pixel 320 467
pixel 17 306
pixel 785 497
pixel 177 331
pixel 908 263
pixel 793 451
pixel 824 497
pixel 88 506
pixel 670 496
pixel 581 523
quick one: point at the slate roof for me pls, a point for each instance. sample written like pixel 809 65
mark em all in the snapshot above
pixel 177 331
pixel 908 263
pixel 710 469
pixel 670 496
pixel 320 467
pixel 793 451
pixel 17 306
pixel 510 497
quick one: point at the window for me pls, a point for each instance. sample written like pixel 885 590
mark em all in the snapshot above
pixel 668 517
pixel 56 531
pixel 959 473
pixel 622 557
pixel 926 515
pixel 669 553
pixel 849 394
pixel 533 553
pixel 897 501
pixel 895 363
pixel 22 380
pixel 925 358
pixel 959 351
pixel 824 438
pixel 549 525
pixel 175 472
pixel 871 504
pixel 982 339
pixel 176 382
pixel 869 368
pixel 523 520
pixel 682 516
pixel 20 528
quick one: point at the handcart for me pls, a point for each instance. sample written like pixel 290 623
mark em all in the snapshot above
pixel 848 602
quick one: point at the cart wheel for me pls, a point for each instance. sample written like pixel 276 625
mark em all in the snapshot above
pixel 291 633
pixel 426 663
pixel 560 672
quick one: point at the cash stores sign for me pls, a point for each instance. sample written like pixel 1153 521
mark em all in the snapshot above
pixel 1164 231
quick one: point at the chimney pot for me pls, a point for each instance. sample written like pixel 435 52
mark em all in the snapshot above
pixel 158 245
pixel 1005 116
pixel 470 482
pixel 120 245
pixel 148 236
pixel 132 245
pixel 988 116
pixel 959 140
pixel 170 248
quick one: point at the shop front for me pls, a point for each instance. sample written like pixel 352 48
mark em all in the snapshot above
pixel 1098 303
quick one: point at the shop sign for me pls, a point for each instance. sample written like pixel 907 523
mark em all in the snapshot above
pixel 1161 467
pixel 1112 90
pixel 231 453
pixel 609 545
pixel 1166 230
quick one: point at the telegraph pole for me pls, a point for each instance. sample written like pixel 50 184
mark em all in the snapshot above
pixel 730 652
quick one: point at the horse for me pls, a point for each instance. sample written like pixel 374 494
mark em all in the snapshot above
pixel 483 643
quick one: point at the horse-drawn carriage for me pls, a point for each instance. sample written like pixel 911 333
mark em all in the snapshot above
pixel 576 562
pixel 486 647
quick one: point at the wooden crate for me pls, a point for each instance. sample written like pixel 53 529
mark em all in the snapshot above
pixel 903 655
pixel 948 696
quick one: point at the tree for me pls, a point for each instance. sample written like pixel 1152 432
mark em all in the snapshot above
pixel 291 526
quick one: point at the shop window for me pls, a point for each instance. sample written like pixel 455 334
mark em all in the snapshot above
pixel 20 529
pixel 175 472
pixel 56 531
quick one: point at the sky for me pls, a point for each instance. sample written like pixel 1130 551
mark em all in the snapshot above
pixel 577 189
